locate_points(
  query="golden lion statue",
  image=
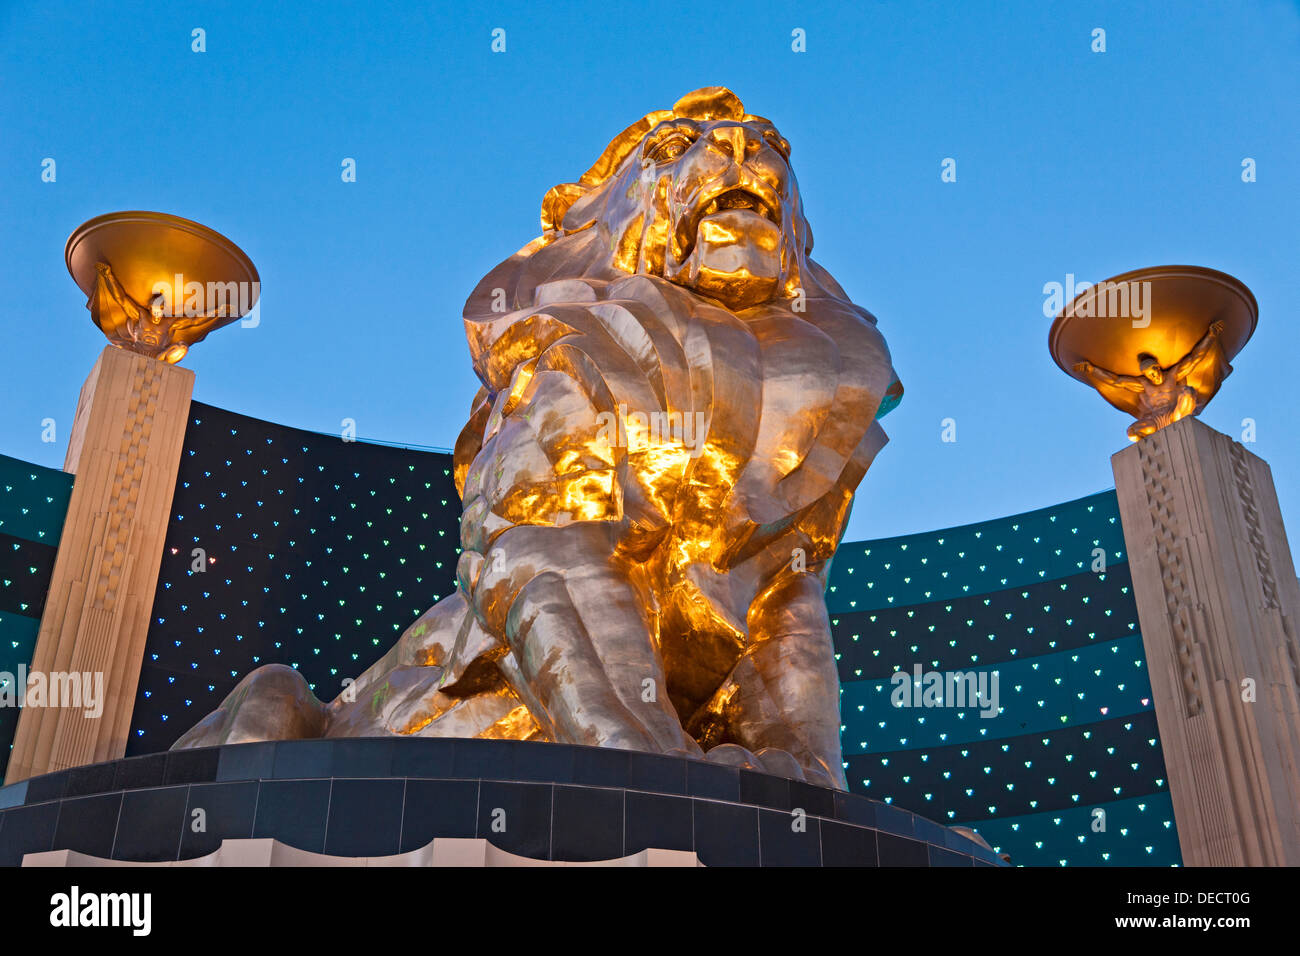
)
(677, 406)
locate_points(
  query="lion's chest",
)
(770, 410)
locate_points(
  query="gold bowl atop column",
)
(1155, 343)
(156, 283)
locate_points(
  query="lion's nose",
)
(738, 142)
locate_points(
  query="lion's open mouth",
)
(737, 198)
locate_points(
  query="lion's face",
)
(709, 204)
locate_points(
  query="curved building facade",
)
(291, 546)
(993, 676)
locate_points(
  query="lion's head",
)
(701, 195)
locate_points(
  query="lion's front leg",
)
(783, 693)
(577, 628)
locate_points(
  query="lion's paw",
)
(272, 702)
(780, 763)
(733, 755)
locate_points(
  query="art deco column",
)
(1218, 602)
(1213, 578)
(157, 284)
(124, 450)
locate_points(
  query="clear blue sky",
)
(1068, 162)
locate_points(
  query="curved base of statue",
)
(436, 681)
(385, 799)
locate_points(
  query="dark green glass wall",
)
(33, 503)
(1039, 606)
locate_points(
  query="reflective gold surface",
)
(1155, 343)
(156, 283)
(677, 406)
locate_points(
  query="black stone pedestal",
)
(383, 796)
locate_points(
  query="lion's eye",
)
(778, 144)
(670, 148)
